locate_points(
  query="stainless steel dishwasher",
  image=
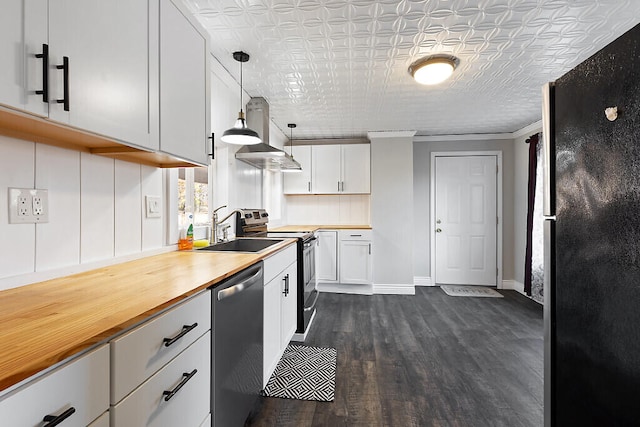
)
(237, 346)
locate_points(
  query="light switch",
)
(153, 206)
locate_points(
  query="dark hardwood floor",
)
(424, 360)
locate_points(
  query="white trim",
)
(513, 285)
(527, 130)
(432, 214)
(422, 281)
(339, 288)
(394, 289)
(300, 337)
(391, 134)
(41, 276)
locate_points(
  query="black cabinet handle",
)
(286, 285)
(54, 420)
(309, 186)
(45, 73)
(185, 330)
(168, 394)
(65, 82)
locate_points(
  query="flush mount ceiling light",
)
(434, 69)
(240, 134)
(293, 165)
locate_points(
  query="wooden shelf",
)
(20, 125)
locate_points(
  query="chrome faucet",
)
(215, 223)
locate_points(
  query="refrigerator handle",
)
(548, 150)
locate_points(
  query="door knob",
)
(438, 230)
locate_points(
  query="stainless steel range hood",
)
(263, 155)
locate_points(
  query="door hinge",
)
(497, 272)
(497, 168)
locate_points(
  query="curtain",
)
(534, 256)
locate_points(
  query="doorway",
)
(466, 226)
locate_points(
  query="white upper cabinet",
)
(356, 169)
(299, 182)
(184, 86)
(341, 169)
(23, 32)
(104, 83)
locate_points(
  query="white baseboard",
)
(339, 288)
(513, 285)
(423, 281)
(394, 289)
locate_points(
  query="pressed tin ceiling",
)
(339, 68)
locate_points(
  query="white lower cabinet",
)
(280, 306)
(344, 256)
(177, 395)
(102, 421)
(327, 266)
(207, 421)
(77, 391)
(355, 257)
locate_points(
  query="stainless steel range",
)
(253, 222)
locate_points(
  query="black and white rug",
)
(470, 291)
(304, 373)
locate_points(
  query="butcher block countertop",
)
(44, 323)
(313, 228)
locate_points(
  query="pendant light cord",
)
(241, 86)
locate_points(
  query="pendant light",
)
(240, 134)
(292, 164)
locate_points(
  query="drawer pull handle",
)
(168, 394)
(356, 235)
(54, 420)
(185, 330)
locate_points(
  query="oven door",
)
(309, 267)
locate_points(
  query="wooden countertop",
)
(313, 228)
(44, 323)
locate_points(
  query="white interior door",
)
(466, 220)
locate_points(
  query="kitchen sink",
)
(242, 245)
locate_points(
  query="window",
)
(193, 200)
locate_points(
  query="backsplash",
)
(96, 209)
(329, 209)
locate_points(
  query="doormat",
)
(304, 373)
(470, 291)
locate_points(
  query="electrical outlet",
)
(28, 206)
(153, 206)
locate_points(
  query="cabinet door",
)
(356, 169)
(325, 169)
(289, 308)
(23, 31)
(107, 43)
(327, 250)
(355, 262)
(272, 328)
(299, 182)
(184, 86)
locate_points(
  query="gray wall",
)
(421, 188)
(392, 209)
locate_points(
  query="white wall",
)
(336, 209)
(96, 211)
(392, 207)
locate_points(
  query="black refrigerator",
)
(591, 134)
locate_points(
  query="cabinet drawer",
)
(356, 234)
(278, 262)
(147, 405)
(82, 384)
(138, 354)
(103, 421)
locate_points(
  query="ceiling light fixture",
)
(240, 134)
(295, 166)
(433, 69)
